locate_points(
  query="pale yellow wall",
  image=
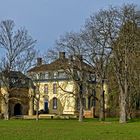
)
(17, 95)
(66, 101)
(3, 92)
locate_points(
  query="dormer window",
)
(55, 75)
(50, 75)
(42, 76)
(46, 75)
(13, 80)
(92, 77)
(62, 75)
(23, 81)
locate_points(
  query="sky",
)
(46, 20)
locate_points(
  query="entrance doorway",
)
(17, 109)
(46, 106)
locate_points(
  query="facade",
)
(58, 90)
(15, 94)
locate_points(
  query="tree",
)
(71, 43)
(102, 32)
(18, 47)
(75, 68)
(125, 52)
(96, 36)
(36, 78)
(110, 37)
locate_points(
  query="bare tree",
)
(96, 37)
(125, 50)
(109, 35)
(75, 67)
(36, 78)
(102, 31)
(18, 47)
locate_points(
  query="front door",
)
(46, 106)
(17, 109)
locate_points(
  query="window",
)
(55, 75)
(23, 81)
(13, 80)
(92, 78)
(94, 98)
(42, 76)
(84, 102)
(78, 104)
(54, 103)
(46, 88)
(61, 75)
(46, 75)
(93, 102)
(50, 75)
(54, 88)
(89, 102)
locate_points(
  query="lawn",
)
(90, 129)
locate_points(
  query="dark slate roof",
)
(16, 79)
(14, 74)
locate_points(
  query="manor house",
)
(56, 83)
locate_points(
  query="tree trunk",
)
(129, 108)
(31, 107)
(102, 104)
(81, 110)
(37, 110)
(6, 111)
(123, 114)
(123, 96)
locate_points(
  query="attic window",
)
(46, 75)
(23, 81)
(50, 75)
(92, 77)
(55, 74)
(13, 80)
(42, 76)
(62, 75)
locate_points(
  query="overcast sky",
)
(46, 20)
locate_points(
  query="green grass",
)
(90, 129)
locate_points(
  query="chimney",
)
(39, 61)
(61, 55)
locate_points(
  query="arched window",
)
(77, 104)
(46, 88)
(46, 105)
(54, 103)
(54, 88)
